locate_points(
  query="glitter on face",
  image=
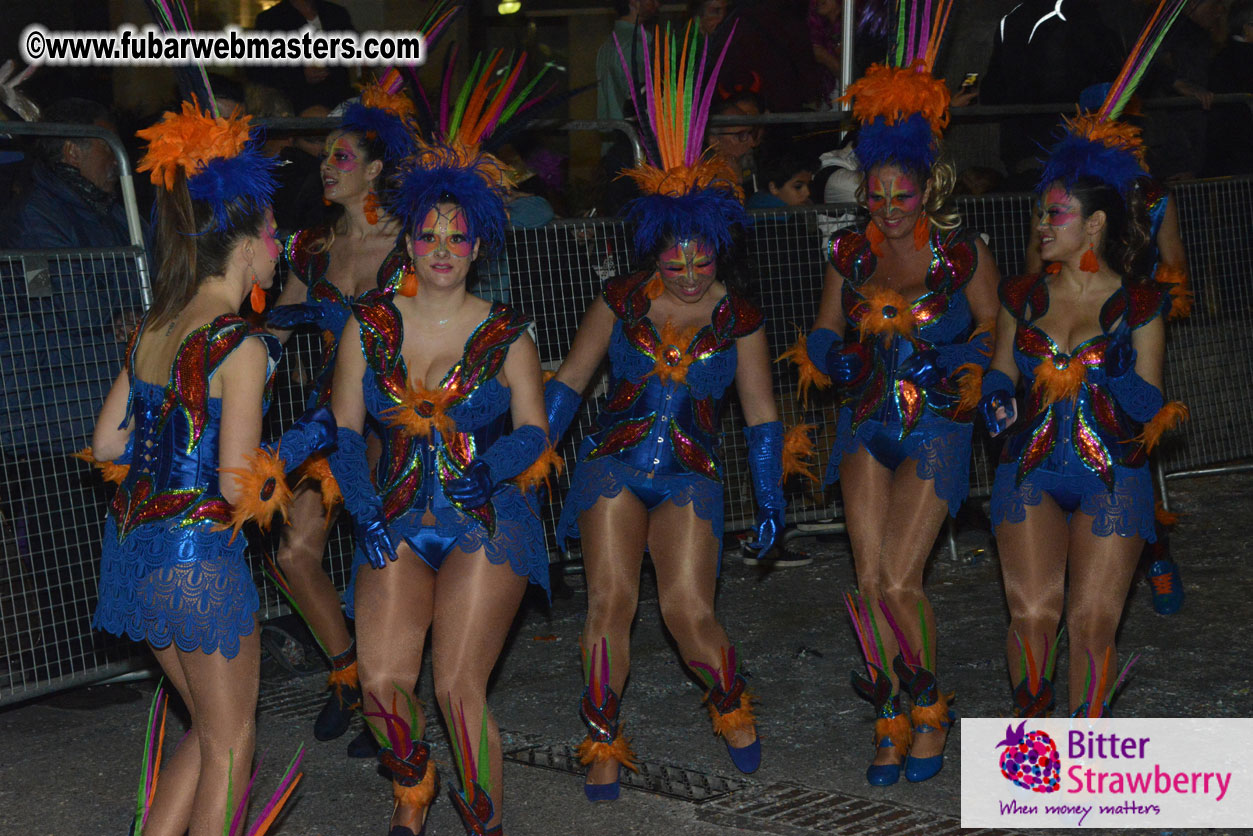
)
(443, 230)
(341, 155)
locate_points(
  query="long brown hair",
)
(189, 247)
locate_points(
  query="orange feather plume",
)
(420, 410)
(799, 453)
(317, 468)
(591, 751)
(1168, 417)
(397, 104)
(898, 729)
(896, 93)
(263, 491)
(737, 720)
(1054, 383)
(970, 385)
(541, 471)
(1109, 132)
(809, 374)
(1166, 518)
(187, 141)
(711, 172)
(934, 715)
(1176, 281)
(420, 794)
(888, 314)
(109, 471)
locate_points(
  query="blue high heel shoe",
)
(731, 709)
(929, 715)
(922, 769)
(604, 741)
(883, 774)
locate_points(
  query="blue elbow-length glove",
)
(562, 404)
(1138, 398)
(998, 393)
(922, 368)
(765, 465)
(312, 433)
(508, 457)
(286, 317)
(352, 472)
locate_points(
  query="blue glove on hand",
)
(313, 432)
(848, 363)
(765, 465)
(818, 347)
(998, 394)
(352, 472)
(922, 368)
(562, 404)
(1138, 398)
(509, 456)
(286, 317)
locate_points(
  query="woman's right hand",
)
(999, 411)
(848, 363)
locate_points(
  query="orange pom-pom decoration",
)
(711, 172)
(592, 751)
(318, 468)
(263, 491)
(1109, 132)
(887, 313)
(421, 410)
(1058, 378)
(109, 471)
(809, 375)
(799, 453)
(187, 141)
(898, 93)
(1168, 417)
(541, 470)
(671, 360)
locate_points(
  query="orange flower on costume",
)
(1058, 378)
(672, 359)
(263, 491)
(420, 410)
(887, 313)
(187, 141)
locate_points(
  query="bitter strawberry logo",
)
(1030, 759)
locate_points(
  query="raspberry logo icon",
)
(1030, 759)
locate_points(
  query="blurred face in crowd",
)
(735, 143)
(348, 173)
(795, 190)
(688, 269)
(93, 159)
(712, 13)
(895, 199)
(1064, 233)
(311, 144)
(441, 248)
(830, 9)
(646, 10)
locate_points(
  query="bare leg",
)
(176, 787)
(394, 606)
(613, 531)
(475, 603)
(685, 555)
(1100, 576)
(300, 557)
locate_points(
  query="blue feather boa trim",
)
(397, 136)
(247, 178)
(908, 143)
(707, 214)
(1075, 156)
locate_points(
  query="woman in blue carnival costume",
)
(902, 332)
(186, 408)
(1073, 496)
(448, 531)
(328, 267)
(677, 333)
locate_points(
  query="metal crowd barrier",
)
(61, 347)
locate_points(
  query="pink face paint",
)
(443, 230)
(341, 155)
(891, 191)
(1058, 208)
(688, 268)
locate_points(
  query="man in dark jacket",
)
(312, 84)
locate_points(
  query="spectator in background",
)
(736, 143)
(311, 84)
(1046, 51)
(298, 198)
(771, 55)
(1229, 141)
(824, 35)
(707, 15)
(786, 175)
(228, 94)
(978, 179)
(613, 89)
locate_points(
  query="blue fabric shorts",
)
(1127, 511)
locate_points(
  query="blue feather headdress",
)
(902, 107)
(384, 111)
(1094, 143)
(688, 192)
(453, 166)
(220, 157)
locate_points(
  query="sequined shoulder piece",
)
(1020, 294)
(625, 296)
(308, 266)
(381, 328)
(1140, 303)
(736, 317)
(957, 261)
(203, 352)
(848, 251)
(1155, 194)
(393, 267)
(132, 343)
(488, 345)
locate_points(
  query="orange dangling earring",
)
(654, 288)
(408, 282)
(326, 201)
(371, 208)
(1088, 263)
(876, 238)
(257, 297)
(922, 231)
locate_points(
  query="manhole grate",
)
(794, 810)
(661, 779)
(298, 698)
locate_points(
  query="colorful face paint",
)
(890, 191)
(1058, 208)
(341, 155)
(688, 269)
(443, 230)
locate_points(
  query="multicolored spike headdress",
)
(902, 108)
(455, 164)
(688, 192)
(220, 157)
(1094, 143)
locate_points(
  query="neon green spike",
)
(521, 98)
(900, 34)
(1052, 660)
(230, 792)
(484, 764)
(926, 644)
(463, 98)
(1022, 657)
(378, 733)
